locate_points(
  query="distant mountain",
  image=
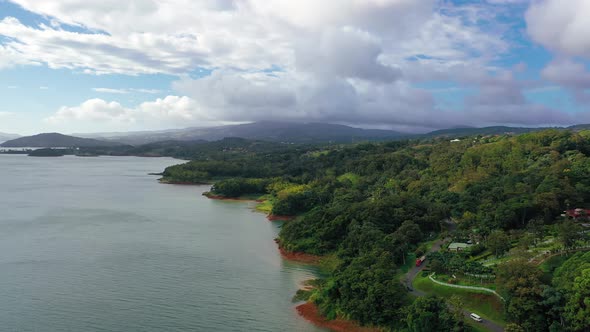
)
(55, 140)
(580, 127)
(302, 133)
(265, 131)
(5, 137)
(470, 131)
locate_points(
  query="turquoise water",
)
(96, 244)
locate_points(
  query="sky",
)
(76, 66)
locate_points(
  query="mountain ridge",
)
(56, 140)
(293, 132)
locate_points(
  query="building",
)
(578, 213)
(458, 246)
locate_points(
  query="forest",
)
(368, 206)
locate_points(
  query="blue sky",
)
(94, 66)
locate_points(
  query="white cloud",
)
(99, 114)
(109, 90)
(568, 73)
(126, 91)
(181, 35)
(348, 61)
(561, 25)
(572, 75)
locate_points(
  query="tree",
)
(513, 327)
(577, 307)
(430, 313)
(537, 227)
(569, 233)
(498, 242)
(367, 289)
(520, 283)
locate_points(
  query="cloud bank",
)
(367, 63)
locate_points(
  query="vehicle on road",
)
(475, 317)
(420, 260)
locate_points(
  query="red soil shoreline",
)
(274, 217)
(184, 183)
(310, 312)
(299, 257)
(223, 198)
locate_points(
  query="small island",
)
(47, 153)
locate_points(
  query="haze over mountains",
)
(299, 133)
(55, 140)
(5, 137)
(263, 131)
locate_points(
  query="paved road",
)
(413, 272)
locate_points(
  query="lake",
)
(97, 244)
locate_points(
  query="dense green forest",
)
(369, 205)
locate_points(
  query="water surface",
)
(97, 244)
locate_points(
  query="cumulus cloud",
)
(572, 75)
(567, 72)
(100, 114)
(347, 61)
(560, 25)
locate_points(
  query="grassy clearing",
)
(466, 281)
(264, 206)
(499, 260)
(486, 305)
(552, 263)
(548, 266)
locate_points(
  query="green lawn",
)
(467, 281)
(548, 266)
(475, 326)
(486, 305)
(265, 206)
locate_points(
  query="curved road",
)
(413, 272)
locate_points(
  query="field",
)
(487, 306)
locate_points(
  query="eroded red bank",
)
(274, 217)
(310, 312)
(300, 257)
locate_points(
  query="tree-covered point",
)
(371, 204)
(50, 152)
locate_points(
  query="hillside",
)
(472, 131)
(265, 131)
(371, 208)
(303, 133)
(55, 140)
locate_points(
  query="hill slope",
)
(266, 131)
(55, 140)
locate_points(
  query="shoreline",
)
(224, 198)
(299, 257)
(311, 313)
(181, 182)
(275, 217)
(308, 310)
